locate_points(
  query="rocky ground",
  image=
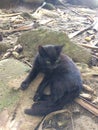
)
(72, 20)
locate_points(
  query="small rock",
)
(15, 54)
(88, 39)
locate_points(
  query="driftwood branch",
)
(26, 62)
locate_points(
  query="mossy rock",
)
(32, 39)
(12, 73)
(4, 47)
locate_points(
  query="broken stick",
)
(90, 46)
(87, 105)
(22, 28)
(79, 32)
(88, 88)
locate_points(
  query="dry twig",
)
(39, 8)
(90, 46)
(25, 61)
(79, 32)
(88, 88)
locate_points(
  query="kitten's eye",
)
(48, 62)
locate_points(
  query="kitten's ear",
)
(59, 48)
(41, 50)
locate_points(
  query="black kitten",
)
(60, 74)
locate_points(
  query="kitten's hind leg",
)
(39, 93)
(46, 97)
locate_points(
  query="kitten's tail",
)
(42, 108)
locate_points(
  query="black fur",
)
(60, 74)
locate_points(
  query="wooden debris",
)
(25, 61)
(13, 52)
(6, 122)
(87, 105)
(22, 28)
(6, 55)
(86, 96)
(95, 100)
(10, 15)
(15, 111)
(90, 46)
(95, 24)
(95, 75)
(88, 88)
(79, 32)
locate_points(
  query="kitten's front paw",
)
(36, 97)
(24, 85)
